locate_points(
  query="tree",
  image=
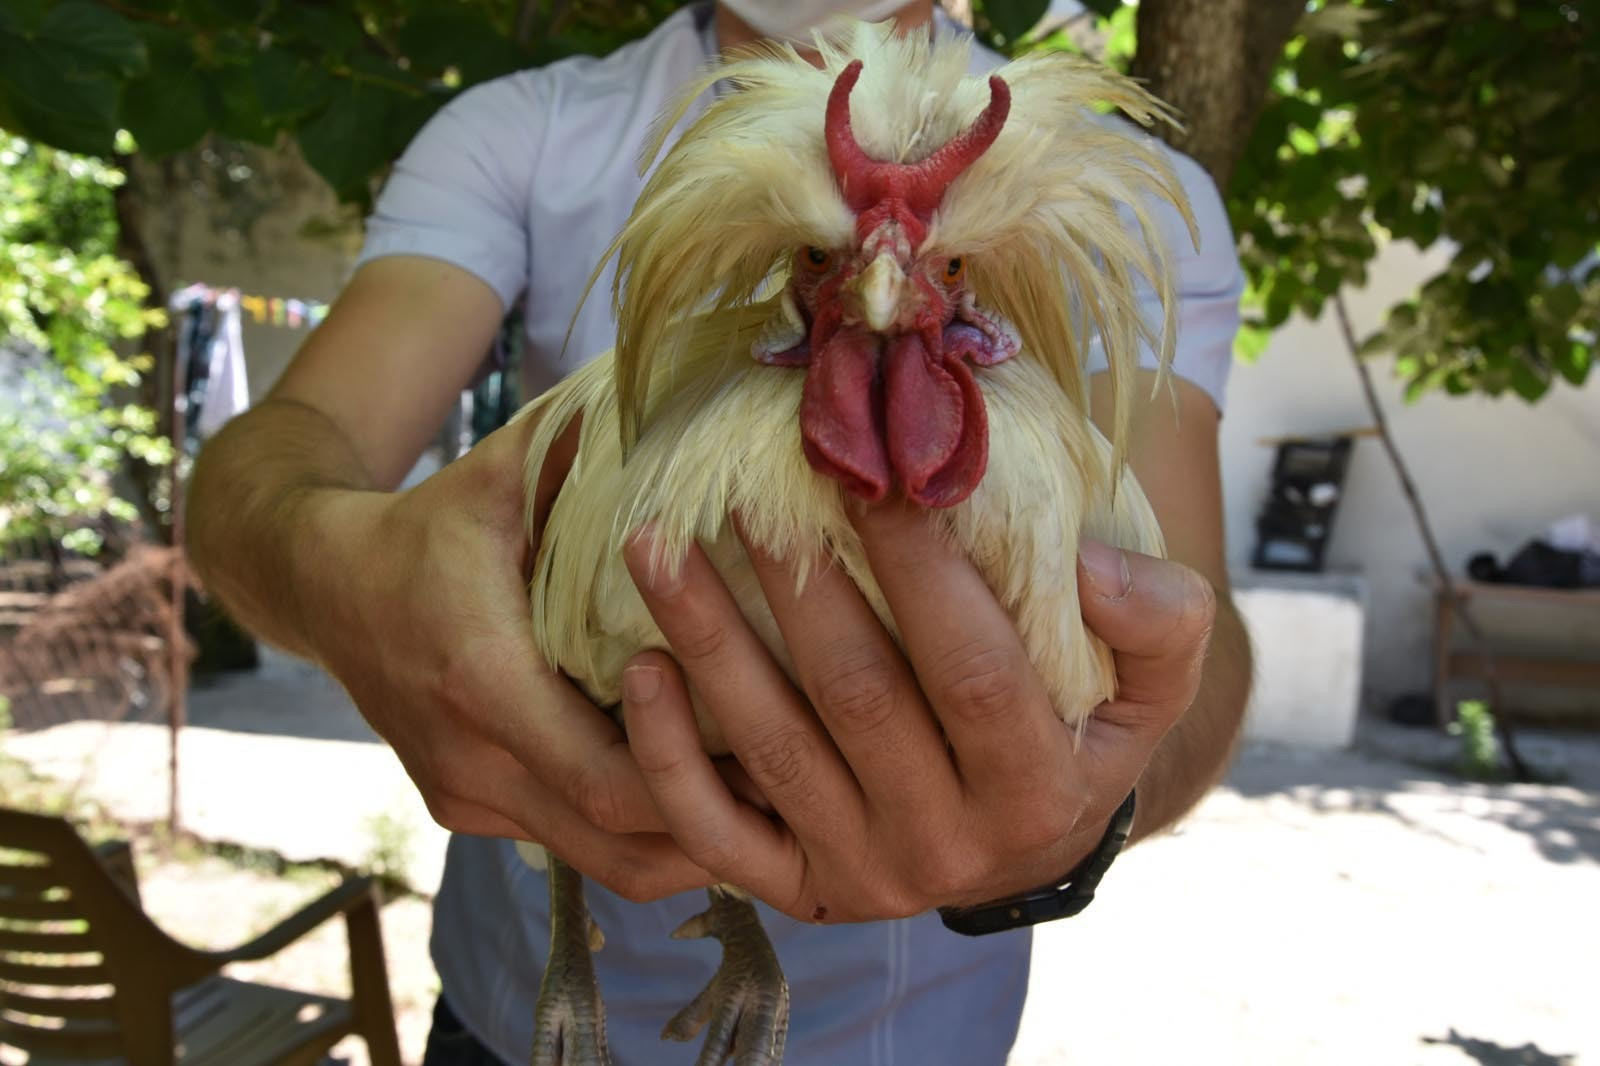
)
(351, 81)
(1418, 119)
(1467, 123)
(66, 304)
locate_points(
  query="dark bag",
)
(1541, 565)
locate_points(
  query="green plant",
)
(1479, 757)
(1462, 125)
(391, 847)
(69, 308)
(350, 81)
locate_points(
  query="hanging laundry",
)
(227, 386)
(195, 331)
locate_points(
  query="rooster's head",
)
(885, 325)
(894, 226)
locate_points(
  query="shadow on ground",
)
(1390, 772)
(283, 697)
(1489, 1053)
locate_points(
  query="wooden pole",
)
(1441, 573)
(178, 661)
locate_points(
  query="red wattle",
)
(935, 424)
(839, 425)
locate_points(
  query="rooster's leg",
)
(747, 1001)
(570, 1021)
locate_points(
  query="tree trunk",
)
(155, 389)
(1213, 60)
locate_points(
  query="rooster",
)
(871, 276)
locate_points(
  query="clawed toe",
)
(570, 1020)
(564, 1037)
(746, 1003)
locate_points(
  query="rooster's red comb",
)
(866, 181)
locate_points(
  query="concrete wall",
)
(1493, 473)
(259, 221)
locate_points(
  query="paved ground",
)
(1320, 907)
(265, 759)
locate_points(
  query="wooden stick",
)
(1441, 573)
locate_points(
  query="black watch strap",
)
(1062, 900)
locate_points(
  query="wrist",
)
(1062, 898)
(331, 537)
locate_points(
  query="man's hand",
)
(416, 602)
(938, 777)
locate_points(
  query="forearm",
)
(1194, 754)
(249, 509)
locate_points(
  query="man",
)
(416, 602)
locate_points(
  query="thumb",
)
(1156, 615)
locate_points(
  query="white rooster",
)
(873, 276)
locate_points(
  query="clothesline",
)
(288, 311)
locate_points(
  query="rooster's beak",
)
(878, 292)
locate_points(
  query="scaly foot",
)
(570, 1021)
(747, 1001)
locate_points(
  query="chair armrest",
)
(344, 897)
(117, 857)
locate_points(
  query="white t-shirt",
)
(523, 182)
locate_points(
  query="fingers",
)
(496, 686)
(967, 656)
(858, 683)
(474, 788)
(765, 722)
(716, 830)
(1156, 615)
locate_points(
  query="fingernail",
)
(640, 683)
(1106, 568)
(663, 576)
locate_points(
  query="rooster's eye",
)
(954, 271)
(815, 259)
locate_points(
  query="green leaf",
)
(168, 113)
(1103, 8)
(436, 40)
(1562, 302)
(288, 86)
(46, 95)
(166, 110)
(241, 114)
(17, 16)
(333, 29)
(1575, 361)
(1012, 19)
(61, 72)
(1250, 342)
(94, 34)
(349, 142)
(1527, 383)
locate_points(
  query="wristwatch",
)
(1062, 899)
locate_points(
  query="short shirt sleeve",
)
(1209, 284)
(460, 191)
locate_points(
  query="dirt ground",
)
(211, 902)
(1320, 907)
